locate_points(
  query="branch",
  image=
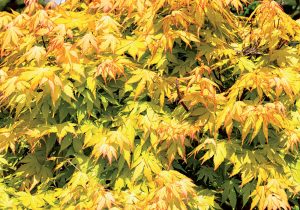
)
(180, 97)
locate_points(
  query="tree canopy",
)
(149, 104)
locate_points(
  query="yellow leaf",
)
(137, 49)
(91, 85)
(138, 171)
(220, 155)
(140, 87)
(257, 126)
(109, 40)
(148, 173)
(88, 41)
(37, 53)
(68, 90)
(67, 54)
(8, 139)
(11, 36)
(246, 128)
(265, 130)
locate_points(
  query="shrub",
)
(153, 104)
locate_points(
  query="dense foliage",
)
(291, 7)
(149, 104)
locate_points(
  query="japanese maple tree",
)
(149, 104)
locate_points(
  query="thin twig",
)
(180, 97)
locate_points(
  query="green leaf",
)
(66, 142)
(77, 145)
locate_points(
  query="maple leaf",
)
(67, 54)
(109, 40)
(107, 24)
(5, 19)
(8, 139)
(41, 20)
(11, 36)
(36, 53)
(271, 196)
(88, 41)
(105, 150)
(109, 68)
